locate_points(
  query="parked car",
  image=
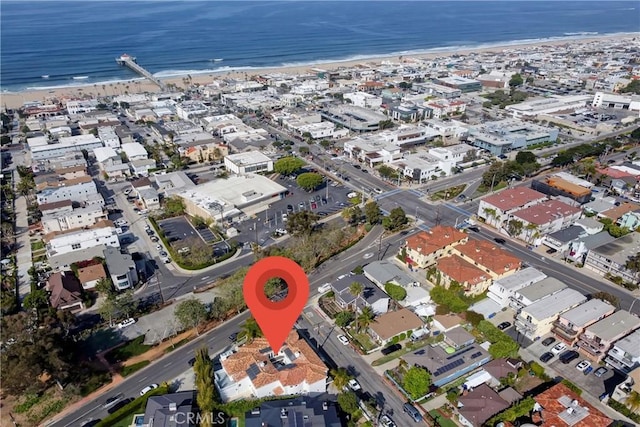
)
(412, 411)
(344, 340)
(474, 229)
(583, 365)
(130, 321)
(325, 287)
(546, 356)
(588, 370)
(504, 325)
(112, 401)
(569, 356)
(548, 341)
(600, 371)
(499, 240)
(385, 421)
(148, 388)
(391, 349)
(233, 336)
(558, 348)
(354, 385)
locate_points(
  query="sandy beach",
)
(139, 85)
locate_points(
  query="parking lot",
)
(179, 228)
(589, 383)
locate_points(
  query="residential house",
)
(616, 212)
(535, 292)
(496, 209)
(536, 320)
(254, 370)
(559, 406)
(134, 151)
(611, 258)
(573, 322)
(371, 295)
(630, 220)
(534, 222)
(69, 218)
(171, 410)
(90, 276)
(101, 233)
(110, 163)
(383, 272)
(624, 356)
(502, 368)
(476, 407)
(76, 190)
(446, 322)
(426, 247)
(458, 338)
(66, 291)
(393, 323)
(121, 268)
(560, 241)
(445, 366)
(308, 410)
(579, 248)
(204, 151)
(502, 290)
(142, 167)
(597, 339)
(108, 136)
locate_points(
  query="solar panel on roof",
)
(290, 355)
(266, 350)
(478, 354)
(253, 371)
(454, 355)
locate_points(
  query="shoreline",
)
(141, 85)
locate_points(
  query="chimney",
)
(173, 407)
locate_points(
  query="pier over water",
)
(130, 61)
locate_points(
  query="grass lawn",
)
(127, 351)
(365, 341)
(448, 193)
(441, 420)
(128, 370)
(38, 244)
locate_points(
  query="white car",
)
(583, 365)
(354, 385)
(326, 287)
(159, 247)
(385, 421)
(344, 340)
(148, 388)
(130, 321)
(127, 191)
(558, 348)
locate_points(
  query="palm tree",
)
(490, 213)
(531, 228)
(356, 288)
(633, 401)
(341, 378)
(365, 318)
(251, 330)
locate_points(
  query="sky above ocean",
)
(63, 40)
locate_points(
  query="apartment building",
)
(489, 257)
(502, 290)
(121, 268)
(597, 339)
(108, 136)
(426, 247)
(536, 292)
(134, 151)
(624, 356)
(101, 233)
(536, 221)
(65, 145)
(496, 209)
(364, 100)
(572, 323)
(77, 190)
(536, 320)
(68, 218)
(610, 258)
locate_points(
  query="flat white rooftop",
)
(248, 158)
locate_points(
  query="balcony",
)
(624, 365)
(525, 326)
(591, 346)
(564, 331)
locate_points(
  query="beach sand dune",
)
(18, 99)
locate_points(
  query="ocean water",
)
(81, 38)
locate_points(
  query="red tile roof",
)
(439, 237)
(490, 256)
(461, 271)
(554, 410)
(513, 198)
(546, 212)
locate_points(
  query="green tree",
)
(633, 263)
(353, 215)
(301, 224)
(348, 402)
(387, 172)
(365, 318)
(105, 287)
(605, 296)
(309, 181)
(250, 330)
(372, 212)
(288, 165)
(174, 206)
(516, 80)
(525, 157)
(191, 313)
(515, 227)
(108, 309)
(344, 318)
(396, 219)
(126, 304)
(473, 317)
(341, 378)
(396, 292)
(633, 401)
(205, 397)
(37, 300)
(416, 382)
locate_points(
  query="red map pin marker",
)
(276, 318)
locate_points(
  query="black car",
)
(120, 404)
(391, 349)
(500, 240)
(504, 325)
(474, 229)
(192, 361)
(289, 208)
(233, 336)
(548, 341)
(546, 356)
(569, 356)
(356, 166)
